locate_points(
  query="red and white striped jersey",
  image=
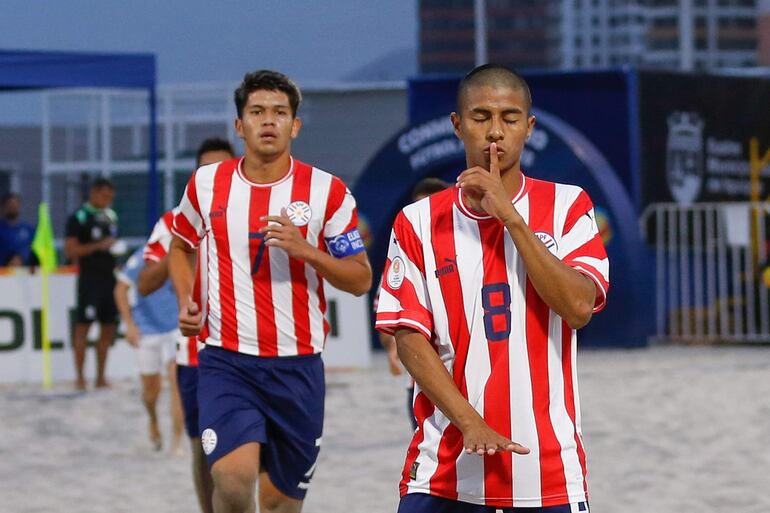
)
(457, 278)
(261, 301)
(156, 250)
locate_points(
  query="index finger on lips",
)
(494, 163)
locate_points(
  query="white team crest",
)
(299, 212)
(396, 273)
(684, 156)
(208, 440)
(549, 242)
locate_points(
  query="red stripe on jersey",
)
(168, 218)
(580, 207)
(300, 191)
(498, 468)
(192, 192)
(219, 200)
(154, 252)
(337, 191)
(192, 351)
(552, 481)
(423, 409)
(443, 239)
(320, 289)
(259, 256)
(183, 227)
(569, 394)
(409, 241)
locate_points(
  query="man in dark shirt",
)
(15, 234)
(90, 234)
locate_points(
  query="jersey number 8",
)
(496, 300)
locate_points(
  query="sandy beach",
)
(668, 429)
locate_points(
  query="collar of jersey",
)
(285, 177)
(473, 215)
(92, 209)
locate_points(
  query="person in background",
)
(423, 189)
(150, 324)
(90, 233)
(15, 234)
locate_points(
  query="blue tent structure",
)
(29, 70)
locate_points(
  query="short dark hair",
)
(101, 182)
(8, 196)
(214, 144)
(428, 186)
(493, 75)
(265, 79)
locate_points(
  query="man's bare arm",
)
(181, 266)
(434, 380)
(152, 276)
(74, 249)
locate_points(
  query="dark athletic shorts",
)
(187, 379)
(277, 402)
(96, 300)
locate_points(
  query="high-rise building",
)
(520, 33)
(683, 34)
(567, 34)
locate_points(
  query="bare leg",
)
(79, 344)
(177, 414)
(204, 486)
(272, 500)
(150, 391)
(235, 477)
(106, 335)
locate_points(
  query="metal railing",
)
(709, 264)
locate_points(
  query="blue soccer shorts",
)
(277, 402)
(187, 381)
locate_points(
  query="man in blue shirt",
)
(15, 235)
(151, 326)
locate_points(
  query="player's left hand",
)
(280, 232)
(487, 187)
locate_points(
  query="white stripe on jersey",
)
(281, 279)
(477, 369)
(526, 474)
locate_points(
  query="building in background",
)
(521, 33)
(570, 34)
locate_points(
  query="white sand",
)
(668, 429)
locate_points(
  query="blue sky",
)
(206, 41)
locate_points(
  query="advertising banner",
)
(21, 357)
(696, 132)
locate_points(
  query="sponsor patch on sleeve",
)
(345, 244)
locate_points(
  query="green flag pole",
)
(45, 249)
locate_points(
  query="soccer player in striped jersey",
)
(483, 288)
(153, 276)
(276, 229)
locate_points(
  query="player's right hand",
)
(190, 318)
(106, 244)
(133, 334)
(481, 439)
